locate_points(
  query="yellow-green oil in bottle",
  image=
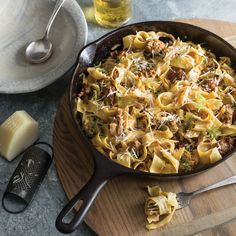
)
(112, 13)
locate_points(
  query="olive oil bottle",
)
(112, 13)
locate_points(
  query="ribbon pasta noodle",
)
(159, 207)
(158, 104)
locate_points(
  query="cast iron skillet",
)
(104, 168)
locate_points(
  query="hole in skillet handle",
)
(69, 217)
(27, 178)
(85, 198)
(104, 170)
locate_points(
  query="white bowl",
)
(23, 21)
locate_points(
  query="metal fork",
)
(184, 199)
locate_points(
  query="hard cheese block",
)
(17, 133)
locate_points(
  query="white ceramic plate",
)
(23, 21)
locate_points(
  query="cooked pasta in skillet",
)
(159, 104)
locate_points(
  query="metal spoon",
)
(40, 50)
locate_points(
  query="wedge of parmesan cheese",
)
(17, 133)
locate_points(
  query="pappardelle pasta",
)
(159, 104)
(159, 207)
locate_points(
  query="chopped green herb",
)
(213, 132)
(201, 81)
(188, 124)
(189, 147)
(158, 55)
(198, 105)
(200, 98)
(94, 96)
(200, 101)
(185, 163)
(102, 70)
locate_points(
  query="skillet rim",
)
(95, 153)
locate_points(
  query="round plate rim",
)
(42, 81)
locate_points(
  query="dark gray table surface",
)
(39, 218)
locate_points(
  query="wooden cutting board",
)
(119, 208)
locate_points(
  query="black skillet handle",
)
(86, 195)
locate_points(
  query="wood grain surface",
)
(119, 208)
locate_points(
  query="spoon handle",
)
(54, 14)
